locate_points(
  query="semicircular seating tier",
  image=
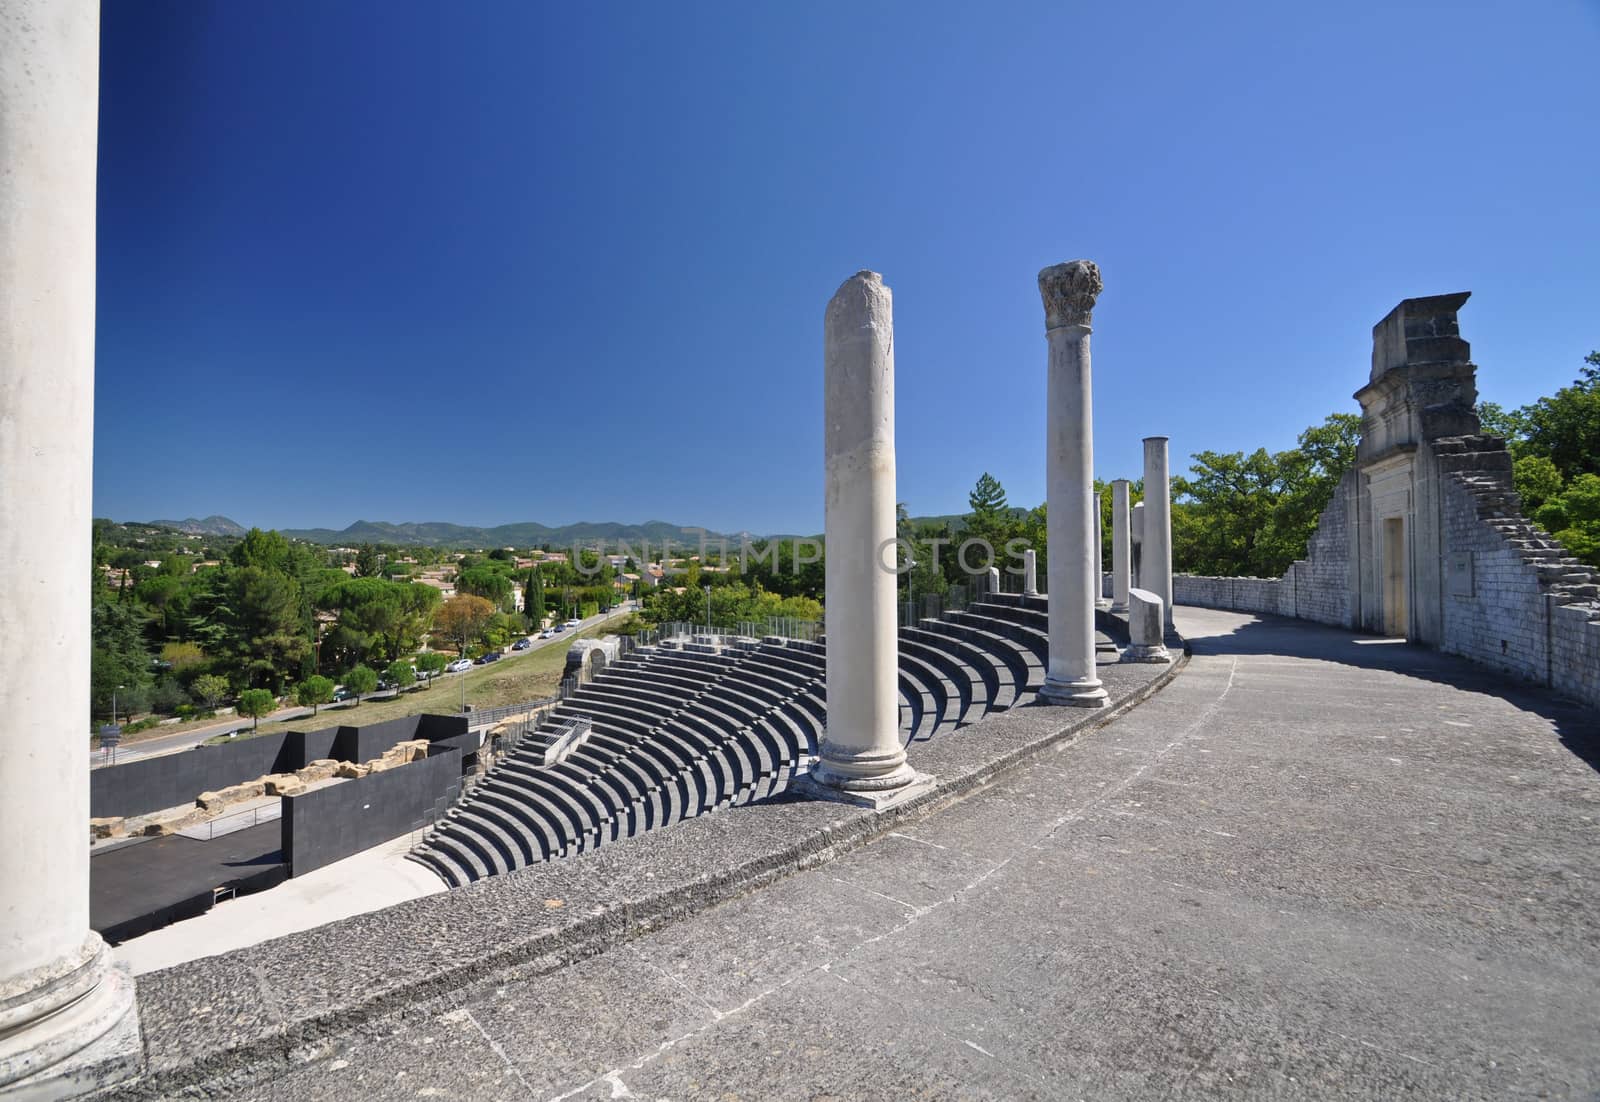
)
(683, 730)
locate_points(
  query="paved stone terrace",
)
(1313, 865)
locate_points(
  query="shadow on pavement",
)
(1577, 726)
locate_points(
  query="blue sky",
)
(491, 262)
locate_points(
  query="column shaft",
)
(861, 747)
(1030, 573)
(1069, 292)
(1099, 547)
(1121, 547)
(1155, 559)
(58, 994)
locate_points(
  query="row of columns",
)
(861, 758)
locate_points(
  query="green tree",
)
(988, 497)
(533, 597)
(210, 688)
(402, 673)
(1537, 481)
(361, 680)
(368, 564)
(492, 584)
(256, 703)
(1236, 514)
(430, 664)
(462, 619)
(314, 692)
(1566, 426)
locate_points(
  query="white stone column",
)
(65, 1016)
(1099, 549)
(1030, 573)
(1155, 557)
(1069, 292)
(1136, 539)
(861, 751)
(1121, 546)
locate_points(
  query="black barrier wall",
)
(151, 784)
(342, 819)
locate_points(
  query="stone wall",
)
(1509, 596)
(1317, 587)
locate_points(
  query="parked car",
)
(340, 694)
(548, 633)
(459, 665)
(574, 623)
(522, 644)
(558, 629)
(490, 656)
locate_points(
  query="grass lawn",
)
(516, 677)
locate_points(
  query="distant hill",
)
(210, 526)
(524, 534)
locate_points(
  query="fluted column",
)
(64, 1011)
(1121, 546)
(1155, 558)
(861, 749)
(1069, 292)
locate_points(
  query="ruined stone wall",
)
(1514, 600)
(1508, 595)
(1314, 588)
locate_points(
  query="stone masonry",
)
(1481, 580)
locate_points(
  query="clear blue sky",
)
(496, 262)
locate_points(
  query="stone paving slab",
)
(229, 1020)
(1234, 890)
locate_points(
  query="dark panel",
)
(332, 823)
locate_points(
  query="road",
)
(194, 736)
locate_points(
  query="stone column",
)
(1146, 628)
(1121, 546)
(861, 751)
(1155, 559)
(1030, 573)
(1136, 538)
(1099, 549)
(65, 1014)
(1069, 292)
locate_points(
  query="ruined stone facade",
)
(1424, 538)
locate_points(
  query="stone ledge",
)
(226, 1021)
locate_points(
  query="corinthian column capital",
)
(1069, 291)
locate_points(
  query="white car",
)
(574, 623)
(459, 665)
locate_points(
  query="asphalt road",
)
(1314, 866)
(183, 740)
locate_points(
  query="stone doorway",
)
(1396, 588)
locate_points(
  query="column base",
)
(76, 1032)
(1122, 608)
(875, 799)
(1074, 694)
(1139, 652)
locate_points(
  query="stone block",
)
(283, 784)
(1146, 628)
(353, 770)
(112, 826)
(319, 770)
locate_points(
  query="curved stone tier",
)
(681, 732)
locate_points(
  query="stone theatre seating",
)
(687, 730)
